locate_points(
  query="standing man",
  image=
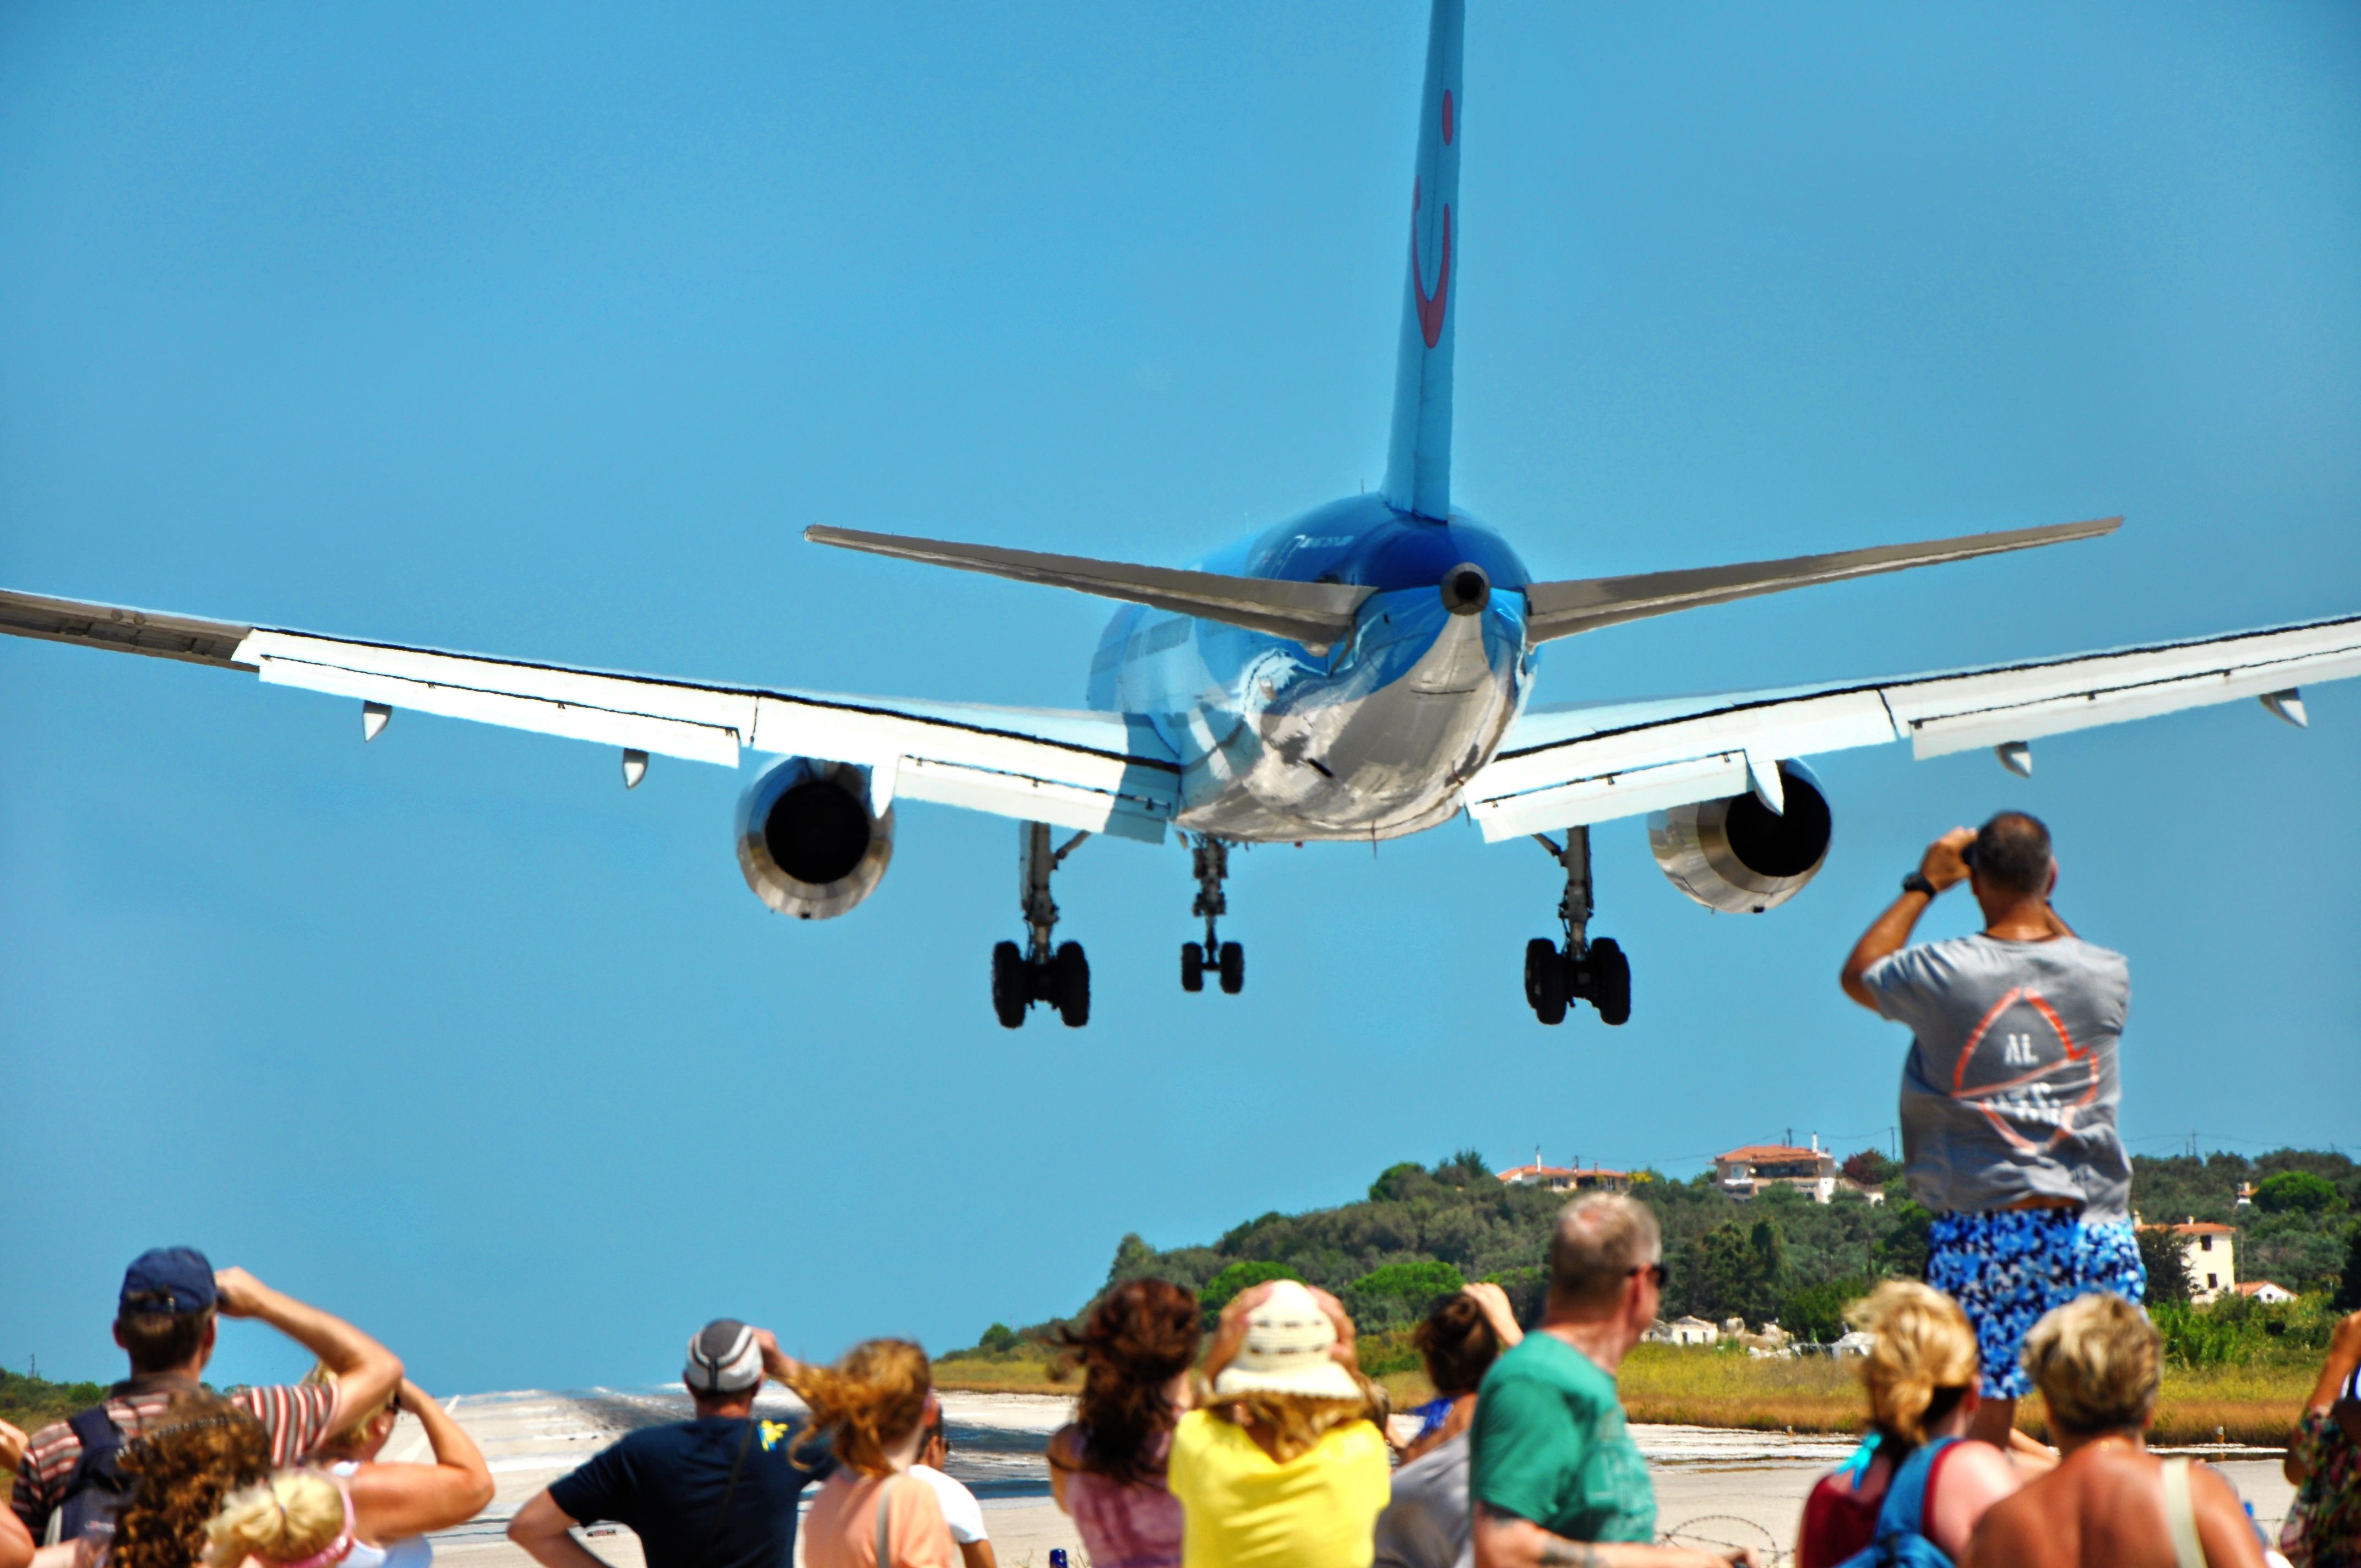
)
(961, 1510)
(2008, 1095)
(165, 1321)
(1553, 1473)
(718, 1491)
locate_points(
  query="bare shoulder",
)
(2009, 1534)
(1066, 1445)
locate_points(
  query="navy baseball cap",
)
(180, 1274)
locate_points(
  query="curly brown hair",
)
(203, 1449)
(1140, 1336)
(869, 1401)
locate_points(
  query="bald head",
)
(1599, 1241)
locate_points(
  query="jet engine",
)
(807, 842)
(1737, 855)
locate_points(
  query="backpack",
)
(1901, 1519)
(96, 1488)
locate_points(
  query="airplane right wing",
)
(1567, 766)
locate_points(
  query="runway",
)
(1712, 1484)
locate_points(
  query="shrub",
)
(998, 1340)
(2298, 1191)
(1398, 1294)
(1220, 1289)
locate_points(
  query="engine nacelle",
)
(1737, 855)
(807, 842)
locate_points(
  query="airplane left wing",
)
(1564, 767)
(1106, 773)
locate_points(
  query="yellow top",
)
(1241, 1510)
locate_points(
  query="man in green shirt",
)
(1554, 1476)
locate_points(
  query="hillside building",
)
(1744, 1172)
(2209, 1252)
(1575, 1178)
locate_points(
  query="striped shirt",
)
(296, 1418)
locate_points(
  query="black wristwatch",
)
(1917, 883)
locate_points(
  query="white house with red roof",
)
(2209, 1252)
(1744, 1172)
(1575, 1178)
(2263, 1290)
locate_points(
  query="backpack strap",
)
(885, 1519)
(1904, 1510)
(2180, 1516)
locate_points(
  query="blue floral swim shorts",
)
(2006, 1267)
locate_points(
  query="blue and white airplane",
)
(1361, 673)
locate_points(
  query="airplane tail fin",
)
(1418, 463)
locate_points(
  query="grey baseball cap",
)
(723, 1358)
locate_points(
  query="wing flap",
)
(1561, 768)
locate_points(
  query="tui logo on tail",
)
(1429, 306)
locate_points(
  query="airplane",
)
(1360, 672)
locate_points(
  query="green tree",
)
(1816, 1312)
(1394, 1182)
(1399, 1293)
(2348, 1288)
(1735, 1273)
(2167, 1270)
(998, 1340)
(1246, 1272)
(2298, 1191)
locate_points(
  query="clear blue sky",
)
(543, 330)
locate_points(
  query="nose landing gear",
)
(1226, 960)
(1579, 970)
(1059, 976)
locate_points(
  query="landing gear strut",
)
(1059, 976)
(1579, 970)
(1226, 960)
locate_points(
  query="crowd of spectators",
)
(1268, 1447)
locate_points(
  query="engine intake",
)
(807, 842)
(1737, 855)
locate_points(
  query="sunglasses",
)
(1655, 1271)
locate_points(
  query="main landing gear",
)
(1036, 972)
(1581, 970)
(1226, 960)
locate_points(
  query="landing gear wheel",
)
(1010, 992)
(1545, 987)
(1611, 982)
(1070, 984)
(1233, 968)
(1192, 967)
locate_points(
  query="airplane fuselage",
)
(1370, 739)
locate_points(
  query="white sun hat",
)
(1286, 1351)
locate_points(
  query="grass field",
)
(1702, 1388)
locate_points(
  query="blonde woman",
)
(398, 1503)
(1284, 1462)
(1916, 1474)
(872, 1513)
(295, 1518)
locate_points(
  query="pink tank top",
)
(1137, 1525)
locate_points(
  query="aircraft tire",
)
(1010, 993)
(1069, 978)
(1233, 968)
(1611, 982)
(1192, 967)
(1545, 980)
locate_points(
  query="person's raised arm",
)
(1504, 1540)
(365, 1371)
(391, 1501)
(15, 1540)
(541, 1527)
(1890, 932)
(1493, 1303)
(2343, 1355)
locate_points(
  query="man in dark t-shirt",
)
(715, 1492)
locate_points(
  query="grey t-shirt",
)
(2010, 1089)
(1426, 1524)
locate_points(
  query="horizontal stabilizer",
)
(1561, 609)
(1315, 614)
